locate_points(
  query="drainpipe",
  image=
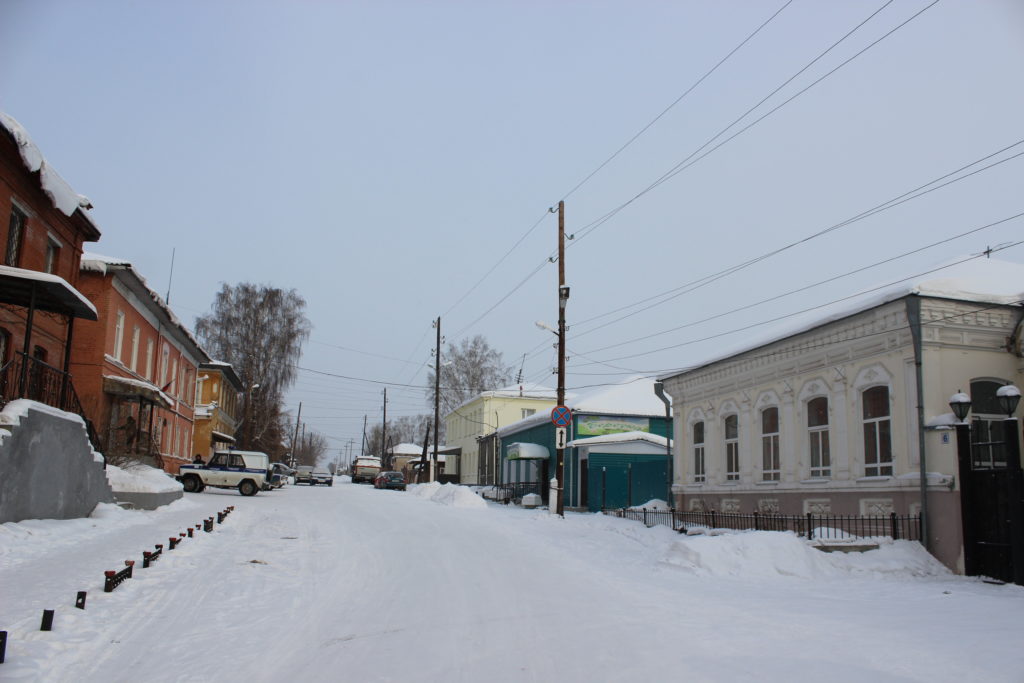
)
(914, 319)
(659, 390)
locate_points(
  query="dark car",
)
(390, 480)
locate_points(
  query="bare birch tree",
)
(260, 331)
(467, 369)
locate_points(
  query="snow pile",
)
(449, 494)
(653, 504)
(14, 411)
(765, 554)
(140, 478)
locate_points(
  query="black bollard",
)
(3, 645)
(80, 600)
(47, 624)
(190, 532)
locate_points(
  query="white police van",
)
(248, 471)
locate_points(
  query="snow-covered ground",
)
(353, 583)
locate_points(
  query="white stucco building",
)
(823, 416)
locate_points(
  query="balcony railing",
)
(33, 379)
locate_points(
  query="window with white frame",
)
(527, 412)
(165, 359)
(770, 444)
(732, 448)
(988, 448)
(817, 434)
(699, 474)
(15, 235)
(877, 432)
(135, 349)
(149, 359)
(52, 254)
(175, 384)
(118, 334)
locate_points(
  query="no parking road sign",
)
(561, 416)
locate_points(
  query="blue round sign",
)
(561, 416)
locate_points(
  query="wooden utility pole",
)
(437, 396)
(384, 432)
(362, 445)
(563, 296)
(295, 438)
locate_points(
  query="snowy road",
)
(353, 584)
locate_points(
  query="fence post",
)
(810, 532)
(47, 624)
(645, 517)
(80, 600)
(713, 524)
(3, 646)
(893, 526)
(757, 521)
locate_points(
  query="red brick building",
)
(136, 367)
(43, 230)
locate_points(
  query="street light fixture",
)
(1008, 397)
(961, 405)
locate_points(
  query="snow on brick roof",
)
(98, 263)
(64, 198)
(975, 279)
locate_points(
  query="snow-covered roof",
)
(634, 396)
(524, 390)
(138, 386)
(975, 279)
(64, 198)
(622, 437)
(413, 449)
(98, 263)
(58, 291)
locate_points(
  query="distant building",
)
(136, 367)
(524, 451)
(216, 410)
(44, 227)
(482, 415)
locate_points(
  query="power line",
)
(679, 99)
(691, 159)
(884, 206)
(811, 308)
(810, 286)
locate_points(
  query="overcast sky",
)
(383, 158)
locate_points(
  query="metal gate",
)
(992, 509)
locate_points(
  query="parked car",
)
(390, 480)
(279, 473)
(304, 475)
(322, 476)
(248, 471)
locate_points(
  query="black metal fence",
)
(514, 492)
(31, 378)
(810, 526)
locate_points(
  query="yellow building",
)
(217, 404)
(485, 413)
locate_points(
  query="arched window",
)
(699, 474)
(770, 444)
(877, 432)
(817, 434)
(988, 450)
(732, 448)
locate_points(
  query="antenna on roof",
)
(170, 278)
